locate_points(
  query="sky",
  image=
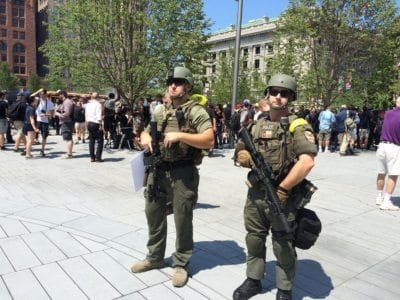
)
(224, 12)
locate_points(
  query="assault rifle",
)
(152, 161)
(263, 173)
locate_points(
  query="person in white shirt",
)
(94, 119)
(44, 111)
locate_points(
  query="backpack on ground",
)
(16, 111)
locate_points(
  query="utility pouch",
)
(302, 193)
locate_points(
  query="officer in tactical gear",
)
(185, 129)
(287, 144)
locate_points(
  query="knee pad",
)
(256, 245)
(308, 228)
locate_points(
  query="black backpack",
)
(78, 114)
(16, 111)
(234, 123)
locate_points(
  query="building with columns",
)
(256, 45)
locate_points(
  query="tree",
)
(8, 81)
(334, 37)
(33, 82)
(125, 44)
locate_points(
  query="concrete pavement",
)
(71, 229)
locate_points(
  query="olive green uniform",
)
(269, 139)
(178, 182)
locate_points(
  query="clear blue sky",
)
(224, 12)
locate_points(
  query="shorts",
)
(388, 159)
(27, 128)
(67, 130)
(363, 133)
(81, 126)
(19, 126)
(44, 129)
(109, 123)
(3, 126)
(324, 135)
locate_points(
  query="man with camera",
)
(44, 112)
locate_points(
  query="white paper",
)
(137, 168)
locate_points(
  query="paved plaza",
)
(71, 229)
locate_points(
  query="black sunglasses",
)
(176, 81)
(283, 93)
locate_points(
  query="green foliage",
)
(126, 44)
(336, 38)
(8, 81)
(33, 83)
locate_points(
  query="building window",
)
(270, 49)
(19, 35)
(2, 9)
(18, 12)
(223, 54)
(257, 50)
(18, 22)
(214, 56)
(2, 20)
(19, 59)
(245, 51)
(213, 69)
(3, 52)
(245, 65)
(19, 2)
(3, 32)
(257, 64)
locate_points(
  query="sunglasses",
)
(283, 93)
(176, 81)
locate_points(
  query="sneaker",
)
(283, 295)
(28, 156)
(66, 156)
(388, 205)
(100, 160)
(378, 200)
(42, 154)
(179, 277)
(76, 142)
(3, 148)
(146, 265)
(249, 288)
(23, 153)
(83, 141)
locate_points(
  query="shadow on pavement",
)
(210, 254)
(205, 206)
(311, 280)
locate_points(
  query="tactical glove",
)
(244, 159)
(283, 194)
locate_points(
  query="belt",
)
(387, 142)
(169, 165)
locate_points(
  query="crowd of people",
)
(79, 118)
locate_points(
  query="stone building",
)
(256, 45)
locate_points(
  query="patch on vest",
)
(309, 136)
(267, 131)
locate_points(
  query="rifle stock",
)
(265, 175)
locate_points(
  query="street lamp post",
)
(237, 53)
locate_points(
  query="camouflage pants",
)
(259, 219)
(179, 186)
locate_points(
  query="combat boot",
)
(146, 265)
(249, 288)
(283, 295)
(179, 277)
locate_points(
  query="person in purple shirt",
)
(388, 158)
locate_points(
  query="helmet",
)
(202, 100)
(283, 81)
(181, 73)
(246, 102)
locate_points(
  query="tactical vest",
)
(170, 119)
(275, 144)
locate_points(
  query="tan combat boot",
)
(146, 265)
(179, 277)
